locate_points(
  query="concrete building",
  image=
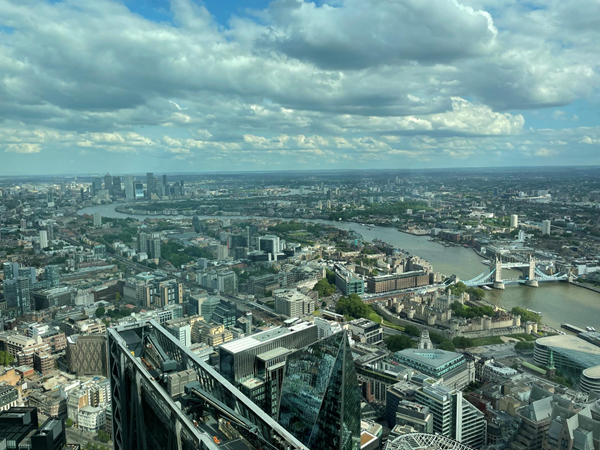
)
(97, 220)
(397, 281)
(91, 419)
(571, 354)
(514, 221)
(87, 354)
(43, 237)
(590, 380)
(129, 187)
(366, 331)
(293, 304)
(546, 225)
(326, 327)
(348, 282)
(181, 329)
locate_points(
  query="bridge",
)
(493, 276)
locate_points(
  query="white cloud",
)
(23, 148)
(545, 152)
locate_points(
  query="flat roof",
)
(592, 372)
(248, 342)
(569, 342)
(430, 357)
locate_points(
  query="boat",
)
(588, 328)
(593, 329)
(573, 328)
(487, 288)
(535, 312)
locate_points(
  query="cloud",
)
(23, 148)
(545, 152)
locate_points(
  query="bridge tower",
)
(531, 281)
(498, 283)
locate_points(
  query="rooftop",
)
(569, 342)
(246, 343)
(429, 357)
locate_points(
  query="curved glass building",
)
(571, 354)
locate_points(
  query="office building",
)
(414, 415)
(590, 380)
(97, 184)
(97, 220)
(237, 358)
(116, 182)
(50, 436)
(570, 354)
(165, 186)
(150, 185)
(293, 304)
(86, 355)
(366, 331)
(208, 306)
(546, 224)
(144, 410)
(91, 419)
(450, 367)
(326, 327)
(453, 416)
(139, 190)
(397, 281)
(52, 275)
(181, 329)
(17, 294)
(11, 270)
(129, 187)
(225, 314)
(43, 236)
(320, 397)
(348, 282)
(222, 252)
(9, 397)
(108, 183)
(514, 221)
(269, 244)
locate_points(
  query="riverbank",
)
(586, 286)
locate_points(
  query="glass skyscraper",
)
(320, 396)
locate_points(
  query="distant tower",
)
(514, 221)
(108, 183)
(425, 341)
(551, 370)
(498, 283)
(97, 220)
(150, 184)
(546, 224)
(129, 187)
(531, 281)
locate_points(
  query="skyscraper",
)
(320, 396)
(129, 187)
(97, 184)
(194, 408)
(514, 221)
(108, 183)
(149, 243)
(17, 293)
(546, 224)
(139, 190)
(150, 185)
(116, 183)
(43, 235)
(52, 275)
(97, 220)
(165, 186)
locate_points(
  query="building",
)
(91, 419)
(181, 329)
(414, 415)
(348, 282)
(453, 416)
(9, 397)
(87, 354)
(17, 293)
(129, 187)
(326, 327)
(514, 221)
(211, 335)
(571, 354)
(424, 441)
(52, 275)
(397, 281)
(590, 380)
(546, 225)
(97, 220)
(208, 306)
(237, 358)
(15, 425)
(150, 185)
(145, 413)
(293, 304)
(366, 331)
(139, 190)
(225, 314)
(108, 183)
(450, 367)
(320, 397)
(50, 436)
(43, 236)
(269, 244)
(149, 243)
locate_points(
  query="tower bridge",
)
(493, 276)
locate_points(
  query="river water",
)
(559, 302)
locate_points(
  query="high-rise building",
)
(269, 244)
(108, 183)
(17, 293)
(82, 193)
(129, 187)
(320, 397)
(225, 314)
(97, 220)
(116, 183)
(150, 185)
(86, 354)
(139, 190)
(52, 275)
(149, 243)
(165, 184)
(97, 184)
(546, 224)
(43, 236)
(11, 270)
(196, 407)
(514, 221)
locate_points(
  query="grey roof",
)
(431, 357)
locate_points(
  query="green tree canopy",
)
(6, 359)
(353, 306)
(324, 288)
(397, 342)
(412, 330)
(100, 312)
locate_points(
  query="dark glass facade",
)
(320, 397)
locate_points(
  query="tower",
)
(108, 183)
(320, 396)
(425, 341)
(129, 187)
(531, 281)
(551, 370)
(150, 185)
(498, 283)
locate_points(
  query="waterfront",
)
(558, 302)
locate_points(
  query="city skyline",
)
(188, 87)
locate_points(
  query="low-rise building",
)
(91, 418)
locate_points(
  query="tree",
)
(330, 275)
(69, 423)
(412, 330)
(462, 342)
(6, 359)
(352, 306)
(447, 345)
(397, 342)
(103, 436)
(521, 346)
(324, 288)
(117, 297)
(100, 312)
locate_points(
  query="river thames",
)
(559, 302)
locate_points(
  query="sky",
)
(222, 85)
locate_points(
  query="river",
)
(559, 302)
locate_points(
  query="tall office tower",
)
(129, 187)
(452, 415)
(52, 275)
(97, 184)
(50, 199)
(22, 224)
(546, 224)
(11, 270)
(320, 397)
(164, 397)
(514, 221)
(269, 244)
(150, 185)
(50, 231)
(97, 220)
(251, 231)
(43, 235)
(149, 243)
(496, 192)
(30, 273)
(225, 314)
(108, 183)
(196, 224)
(165, 184)
(139, 190)
(116, 183)
(17, 293)
(82, 193)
